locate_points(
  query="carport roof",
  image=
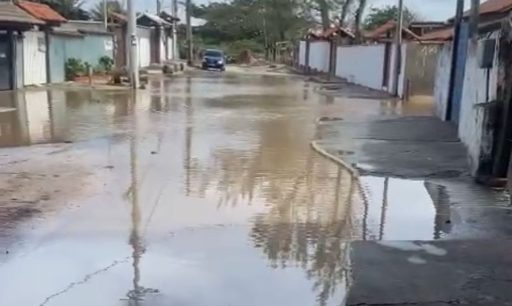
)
(13, 15)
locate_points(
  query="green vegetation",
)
(74, 68)
(105, 64)
(379, 16)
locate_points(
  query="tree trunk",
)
(359, 19)
(324, 11)
(344, 11)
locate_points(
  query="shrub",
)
(106, 63)
(73, 68)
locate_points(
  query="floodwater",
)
(201, 190)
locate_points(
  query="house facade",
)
(471, 87)
(14, 24)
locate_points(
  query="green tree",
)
(251, 22)
(69, 9)
(378, 16)
(113, 6)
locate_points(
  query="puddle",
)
(197, 191)
(399, 209)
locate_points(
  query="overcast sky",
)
(426, 9)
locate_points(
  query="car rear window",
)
(213, 53)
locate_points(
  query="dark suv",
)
(214, 59)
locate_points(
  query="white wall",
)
(401, 78)
(442, 81)
(170, 51)
(362, 65)
(472, 127)
(144, 46)
(34, 58)
(163, 56)
(302, 53)
(319, 55)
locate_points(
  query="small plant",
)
(106, 63)
(74, 68)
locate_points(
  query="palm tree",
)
(113, 6)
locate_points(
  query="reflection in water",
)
(235, 181)
(54, 116)
(136, 241)
(401, 209)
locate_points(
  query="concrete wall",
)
(401, 78)
(473, 118)
(302, 53)
(442, 80)
(319, 55)
(144, 46)
(34, 58)
(88, 48)
(362, 65)
(420, 68)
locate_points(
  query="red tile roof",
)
(334, 30)
(380, 32)
(41, 11)
(438, 35)
(495, 6)
(383, 29)
(11, 14)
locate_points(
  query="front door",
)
(5, 62)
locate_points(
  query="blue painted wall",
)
(460, 71)
(88, 48)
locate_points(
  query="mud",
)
(201, 190)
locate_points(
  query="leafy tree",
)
(113, 6)
(69, 9)
(379, 16)
(263, 22)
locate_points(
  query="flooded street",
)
(200, 190)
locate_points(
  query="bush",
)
(74, 68)
(106, 63)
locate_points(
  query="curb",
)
(344, 164)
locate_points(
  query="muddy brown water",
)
(201, 190)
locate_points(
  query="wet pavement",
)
(201, 190)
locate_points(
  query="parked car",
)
(214, 59)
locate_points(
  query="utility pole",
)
(475, 14)
(158, 7)
(190, 51)
(132, 32)
(105, 14)
(175, 51)
(398, 50)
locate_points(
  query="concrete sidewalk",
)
(466, 260)
(469, 272)
(409, 147)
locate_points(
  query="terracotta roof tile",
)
(438, 35)
(41, 11)
(333, 30)
(495, 6)
(10, 13)
(383, 29)
(379, 32)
